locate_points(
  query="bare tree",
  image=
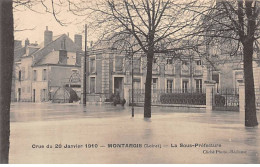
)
(149, 22)
(234, 25)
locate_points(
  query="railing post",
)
(127, 93)
(210, 85)
(241, 98)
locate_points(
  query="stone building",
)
(46, 67)
(109, 71)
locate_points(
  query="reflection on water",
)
(103, 124)
(252, 140)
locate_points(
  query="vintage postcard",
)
(131, 82)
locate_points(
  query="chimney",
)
(47, 36)
(78, 41)
(26, 42)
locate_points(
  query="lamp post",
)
(132, 61)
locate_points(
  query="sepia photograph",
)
(129, 81)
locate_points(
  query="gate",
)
(226, 100)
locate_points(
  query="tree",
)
(6, 60)
(236, 24)
(6, 64)
(156, 25)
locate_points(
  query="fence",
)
(170, 96)
(226, 99)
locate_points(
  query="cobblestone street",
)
(71, 133)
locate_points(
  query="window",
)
(137, 65)
(215, 77)
(43, 95)
(44, 74)
(185, 86)
(198, 62)
(198, 85)
(169, 86)
(20, 75)
(154, 84)
(92, 65)
(119, 63)
(169, 61)
(35, 75)
(92, 85)
(137, 83)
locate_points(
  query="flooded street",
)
(71, 133)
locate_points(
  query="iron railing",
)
(170, 96)
(227, 99)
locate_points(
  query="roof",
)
(55, 45)
(18, 53)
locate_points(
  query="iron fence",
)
(226, 99)
(170, 96)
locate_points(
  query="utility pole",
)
(85, 69)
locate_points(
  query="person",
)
(116, 99)
(123, 102)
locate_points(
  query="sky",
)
(33, 25)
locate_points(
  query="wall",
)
(226, 74)
(25, 83)
(40, 84)
(60, 75)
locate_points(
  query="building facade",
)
(109, 71)
(45, 68)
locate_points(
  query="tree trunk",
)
(6, 65)
(148, 84)
(250, 107)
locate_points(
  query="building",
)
(110, 71)
(43, 69)
(19, 51)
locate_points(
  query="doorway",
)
(33, 95)
(185, 86)
(19, 95)
(118, 86)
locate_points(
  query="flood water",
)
(108, 134)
